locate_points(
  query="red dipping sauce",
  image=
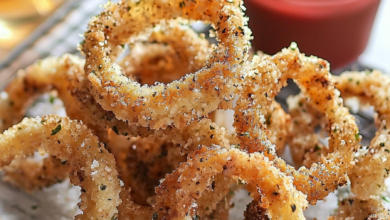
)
(336, 30)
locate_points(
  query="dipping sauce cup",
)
(336, 30)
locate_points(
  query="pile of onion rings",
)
(140, 136)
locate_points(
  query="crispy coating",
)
(270, 73)
(373, 164)
(171, 51)
(278, 122)
(129, 210)
(142, 162)
(356, 209)
(178, 102)
(92, 167)
(188, 183)
(215, 200)
(254, 211)
(65, 74)
(304, 143)
(30, 175)
(145, 166)
(40, 77)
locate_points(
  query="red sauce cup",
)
(336, 30)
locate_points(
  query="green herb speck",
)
(56, 130)
(51, 99)
(293, 46)
(357, 136)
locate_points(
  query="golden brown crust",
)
(368, 175)
(188, 183)
(313, 77)
(161, 105)
(92, 167)
(354, 208)
(373, 164)
(30, 175)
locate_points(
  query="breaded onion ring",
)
(373, 163)
(187, 184)
(40, 77)
(269, 75)
(278, 122)
(178, 102)
(92, 167)
(30, 175)
(356, 209)
(142, 162)
(303, 141)
(171, 51)
(65, 74)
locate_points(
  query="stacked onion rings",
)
(154, 112)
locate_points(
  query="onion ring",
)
(278, 122)
(41, 77)
(190, 180)
(313, 77)
(142, 162)
(30, 175)
(371, 169)
(193, 96)
(305, 146)
(353, 208)
(169, 52)
(373, 164)
(92, 167)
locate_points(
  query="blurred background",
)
(40, 28)
(18, 18)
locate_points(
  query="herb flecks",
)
(51, 99)
(293, 207)
(357, 136)
(56, 130)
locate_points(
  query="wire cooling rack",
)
(59, 34)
